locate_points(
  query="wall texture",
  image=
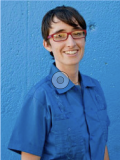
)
(25, 61)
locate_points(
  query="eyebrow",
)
(63, 30)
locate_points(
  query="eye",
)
(59, 36)
(78, 34)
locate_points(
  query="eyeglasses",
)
(62, 36)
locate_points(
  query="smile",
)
(71, 52)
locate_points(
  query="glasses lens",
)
(59, 36)
(78, 34)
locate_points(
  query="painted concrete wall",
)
(25, 61)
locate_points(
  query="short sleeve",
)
(32, 126)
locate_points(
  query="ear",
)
(47, 46)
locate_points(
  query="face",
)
(68, 52)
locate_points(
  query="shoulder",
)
(88, 80)
(40, 90)
(93, 83)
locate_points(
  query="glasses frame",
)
(68, 33)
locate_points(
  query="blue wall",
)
(25, 61)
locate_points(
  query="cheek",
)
(56, 51)
(82, 45)
(58, 48)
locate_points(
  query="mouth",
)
(71, 52)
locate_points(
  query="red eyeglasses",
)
(62, 36)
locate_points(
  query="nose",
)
(70, 41)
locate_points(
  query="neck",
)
(71, 71)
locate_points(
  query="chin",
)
(73, 63)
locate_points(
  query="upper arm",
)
(28, 156)
(32, 126)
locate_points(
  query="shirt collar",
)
(85, 80)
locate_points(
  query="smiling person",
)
(64, 116)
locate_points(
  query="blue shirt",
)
(69, 123)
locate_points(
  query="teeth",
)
(70, 52)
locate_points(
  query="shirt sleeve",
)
(31, 128)
(102, 108)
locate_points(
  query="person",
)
(64, 116)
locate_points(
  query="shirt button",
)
(69, 129)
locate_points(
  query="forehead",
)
(57, 24)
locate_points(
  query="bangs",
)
(66, 17)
